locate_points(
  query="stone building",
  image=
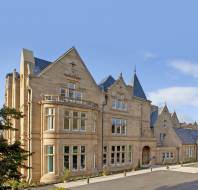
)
(175, 143)
(71, 122)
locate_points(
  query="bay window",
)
(50, 159)
(82, 121)
(66, 120)
(105, 155)
(82, 157)
(50, 118)
(119, 154)
(75, 158)
(75, 121)
(66, 157)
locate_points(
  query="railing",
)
(63, 99)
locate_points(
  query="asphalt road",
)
(160, 180)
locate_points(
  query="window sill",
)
(74, 131)
(50, 131)
(118, 135)
(119, 110)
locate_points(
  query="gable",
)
(119, 87)
(175, 120)
(69, 65)
(164, 118)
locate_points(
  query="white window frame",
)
(70, 122)
(105, 153)
(119, 124)
(130, 152)
(80, 153)
(126, 155)
(94, 123)
(168, 155)
(47, 155)
(162, 137)
(67, 154)
(190, 152)
(114, 158)
(119, 104)
(77, 154)
(72, 127)
(48, 115)
(79, 118)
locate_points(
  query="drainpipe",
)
(103, 105)
(29, 135)
(141, 130)
(196, 150)
(178, 154)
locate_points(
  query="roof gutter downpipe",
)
(29, 137)
(103, 105)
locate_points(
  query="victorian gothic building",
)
(73, 123)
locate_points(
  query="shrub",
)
(66, 175)
(105, 172)
(17, 184)
(59, 188)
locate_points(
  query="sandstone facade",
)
(73, 123)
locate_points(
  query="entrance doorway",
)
(145, 155)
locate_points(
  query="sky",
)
(159, 37)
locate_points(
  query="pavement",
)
(161, 178)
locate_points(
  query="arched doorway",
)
(145, 155)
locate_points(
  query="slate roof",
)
(137, 88)
(106, 83)
(187, 136)
(153, 118)
(11, 74)
(40, 65)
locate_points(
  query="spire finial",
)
(135, 69)
(120, 76)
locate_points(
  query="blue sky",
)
(159, 37)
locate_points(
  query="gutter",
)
(103, 105)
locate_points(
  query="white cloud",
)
(176, 96)
(185, 66)
(185, 118)
(179, 98)
(149, 55)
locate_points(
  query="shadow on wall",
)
(193, 185)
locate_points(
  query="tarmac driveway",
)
(159, 180)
